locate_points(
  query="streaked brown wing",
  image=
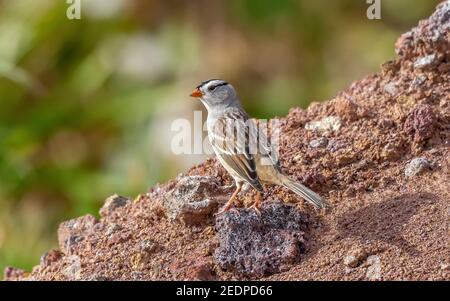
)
(229, 137)
(265, 148)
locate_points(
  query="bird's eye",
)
(211, 88)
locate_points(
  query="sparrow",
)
(231, 132)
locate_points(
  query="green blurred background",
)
(86, 105)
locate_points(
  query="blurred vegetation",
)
(86, 105)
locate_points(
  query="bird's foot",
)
(257, 204)
(227, 208)
(229, 204)
(256, 208)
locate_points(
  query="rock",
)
(140, 260)
(11, 274)
(143, 256)
(119, 237)
(390, 67)
(431, 35)
(407, 101)
(148, 246)
(98, 278)
(355, 258)
(391, 88)
(348, 270)
(319, 142)
(428, 61)
(137, 276)
(112, 203)
(194, 198)
(351, 261)
(416, 166)
(419, 80)
(113, 228)
(373, 272)
(390, 152)
(195, 267)
(348, 109)
(210, 248)
(420, 123)
(202, 272)
(71, 232)
(346, 157)
(385, 123)
(50, 257)
(335, 145)
(73, 268)
(325, 125)
(260, 245)
(313, 179)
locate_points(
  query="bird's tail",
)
(304, 192)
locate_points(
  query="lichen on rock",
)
(194, 198)
(416, 166)
(325, 125)
(260, 245)
(112, 203)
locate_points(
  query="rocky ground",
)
(378, 152)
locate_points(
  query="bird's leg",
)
(230, 202)
(257, 204)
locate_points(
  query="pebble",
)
(194, 199)
(51, 256)
(416, 166)
(113, 228)
(140, 260)
(148, 246)
(421, 123)
(73, 270)
(112, 203)
(11, 273)
(391, 88)
(327, 124)
(374, 270)
(419, 80)
(319, 142)
(425, 61)
(355, 257)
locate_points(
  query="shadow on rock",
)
(260, 245)
(385, 221)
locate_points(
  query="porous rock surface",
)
(194, 198)
(260, 244)
(382, 225)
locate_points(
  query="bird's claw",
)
(256, 208)
(226, 209)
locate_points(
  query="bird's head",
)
(215, 93)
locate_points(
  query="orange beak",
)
(196, 93)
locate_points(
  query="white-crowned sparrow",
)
(230, 134)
